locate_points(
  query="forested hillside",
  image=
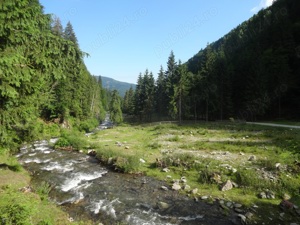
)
(112, 84)
(42, 73)
(251, 73)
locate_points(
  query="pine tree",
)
(69, 34)
(115, 108)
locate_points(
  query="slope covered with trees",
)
(42, 73)
(251, 73)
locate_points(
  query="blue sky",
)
(126, 37)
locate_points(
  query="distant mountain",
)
(112, 84)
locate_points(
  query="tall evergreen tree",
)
(115, 108)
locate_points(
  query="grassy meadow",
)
(255, 158)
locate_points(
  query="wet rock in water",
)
(249, 215)
(238, 205)
(92, 152)
(163, 205)
(227, 186)
(176, 186)
(242, 217)
(164, 188)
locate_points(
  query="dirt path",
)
(275, 125)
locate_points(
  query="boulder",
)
(176, 186)
(227, 186)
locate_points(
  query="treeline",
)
(42, 73)
(251, 73)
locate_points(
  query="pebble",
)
(204, 197)
(238, 205)
(195, 191)
(238, 210)
(169, 177)
(176, 187)
(249, 215)
(166, 170)
(164, 188)
(243, 218)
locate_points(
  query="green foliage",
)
(15, 214)
(43, 190)
(115, 108)
(88, 125)
(73, 139)
(118, 160)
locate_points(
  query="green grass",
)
(202, 151)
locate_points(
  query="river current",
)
(85, 189)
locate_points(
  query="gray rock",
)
(252, 158)
(183, 179)
(164, 188)
(204, 197)
(166, 170)
(163, 205)
(194, 191)
(176, 186)
(126, 147)
(262, 195)
(169, 177)
(142, 161)
(249, 215)
(242, 217)
(227, 186)
(238, 210)
(238, 205)
(187, 187)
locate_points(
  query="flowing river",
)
(87, 190)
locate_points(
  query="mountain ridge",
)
(113, 84)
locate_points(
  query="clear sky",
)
(126, 37)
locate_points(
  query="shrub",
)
(15, 214)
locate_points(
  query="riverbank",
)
(259, 161)
(23, 203)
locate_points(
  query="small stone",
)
(187, 187)
(238, 205)
(227, 186)
(163, 205)
(238, 210)
(183, 179)
(281, 214)
(252, 158)
(221, 202)
(204, 197)
(126, 147)
(142, 161)
(229, 204)
(176, 187)
(262, 195)
(169, 177)
(286, 197)
(196, 199)
(249, 215)
(194, 191)
(293, 223)
(166, 170)
(164, 188)
(242, 217)
(241, 153)
(277, 165)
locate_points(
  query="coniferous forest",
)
(252, 73)
(43, 76)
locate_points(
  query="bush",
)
(88, 125)
(15, 214)
(71, 139)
